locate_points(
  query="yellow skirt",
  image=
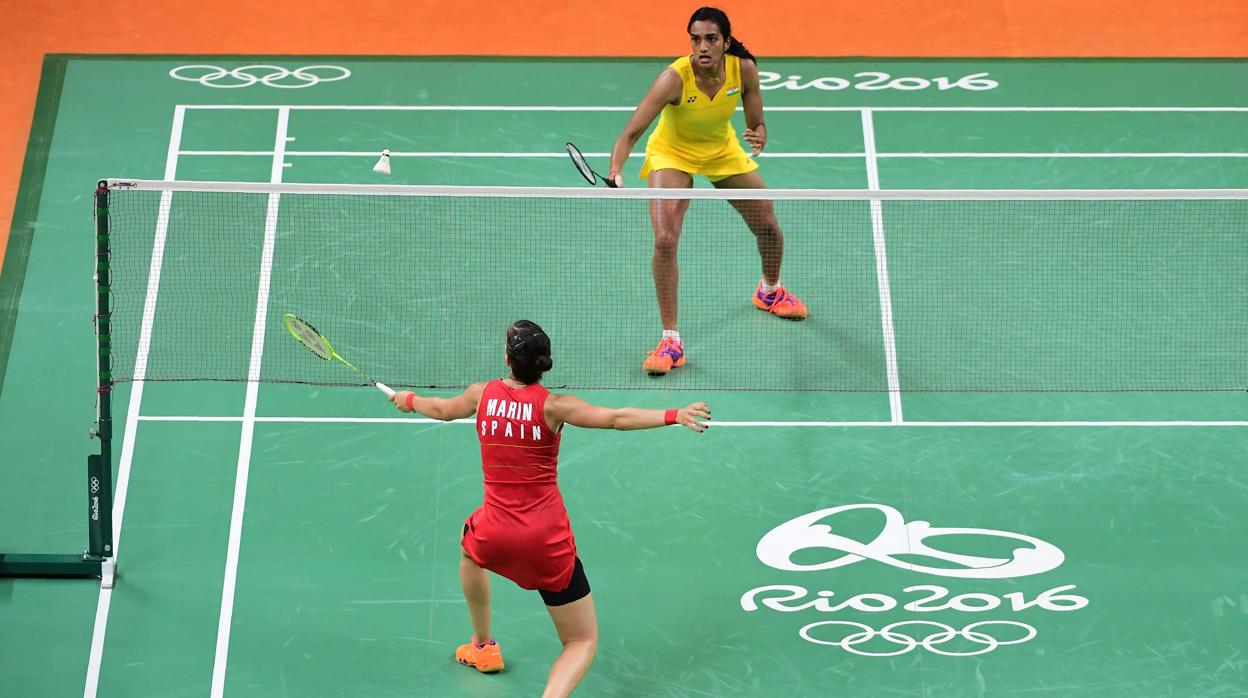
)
(730, 161)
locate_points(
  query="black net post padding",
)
(99, 466)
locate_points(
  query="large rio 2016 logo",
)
(814, 535)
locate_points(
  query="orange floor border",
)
(894, 28)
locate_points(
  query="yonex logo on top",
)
(268, 75)
(897, 537)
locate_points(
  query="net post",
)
(99, 466)
(97, 559)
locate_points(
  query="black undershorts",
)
(576, 590)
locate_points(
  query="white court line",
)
(456, 154)
(881, 271)
(249, 415)
(249, 421)
(474, 154)
(1065, 155)
(557, 108)
(447, 154)
(133, 417)
(758, 424)
(96, 656)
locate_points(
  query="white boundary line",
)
(881, 271)
(248, 419)
(556, 108)
(1059, 155)
(758, 424)
(478, 154)
(96, 656)
(454, 154)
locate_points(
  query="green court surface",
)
(293, 540)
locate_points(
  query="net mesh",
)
(1014, 295)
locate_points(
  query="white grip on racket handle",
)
(385, 389)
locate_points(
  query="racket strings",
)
(309, 337)
(579, 161)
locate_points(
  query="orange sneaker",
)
(780, 302)
(487, 658)
(668, 355)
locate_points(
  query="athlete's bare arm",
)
(443, 408)
(572, 410)
(665, 90)
(752, 104)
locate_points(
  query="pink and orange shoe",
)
(486, 658)
(668, 355)
(780, 302)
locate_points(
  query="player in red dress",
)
(521, 531)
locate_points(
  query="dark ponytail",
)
(716, 15)
(528, 347)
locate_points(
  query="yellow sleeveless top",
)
(695, 134)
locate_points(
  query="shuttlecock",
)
(383, 163)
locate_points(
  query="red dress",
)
(521, 531)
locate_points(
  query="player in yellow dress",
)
(694, 99)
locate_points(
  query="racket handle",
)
(384, 388)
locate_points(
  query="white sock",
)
(671, 333)
(770, 289)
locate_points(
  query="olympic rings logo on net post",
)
(268, 75)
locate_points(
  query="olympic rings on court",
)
(270, 75)
(943, 634)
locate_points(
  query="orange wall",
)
(979, 28)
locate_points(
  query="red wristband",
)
(669, 417)
(411, 401)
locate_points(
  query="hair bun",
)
(528, 347)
